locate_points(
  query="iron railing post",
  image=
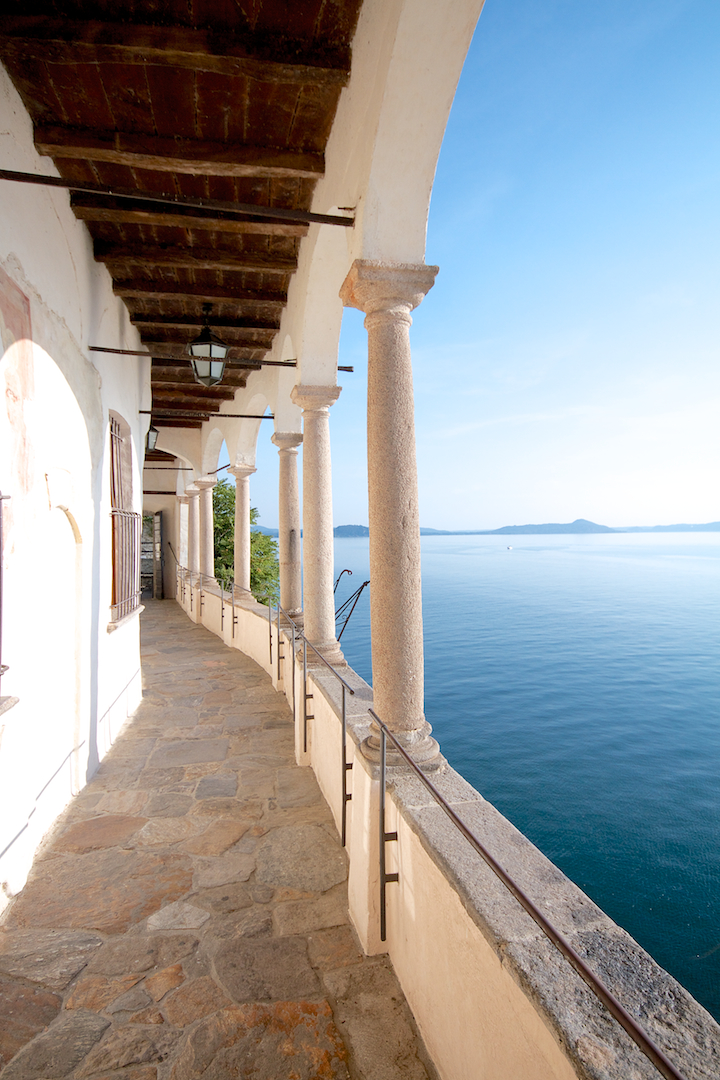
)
(346, 767)
(384, 838)
(292, 624)
(306, 697)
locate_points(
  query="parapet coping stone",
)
(594, 1042)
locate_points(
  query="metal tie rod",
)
(304, 217)
(186, 360)
(654, 1054)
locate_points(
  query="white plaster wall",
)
(454, 981)
(75, 682)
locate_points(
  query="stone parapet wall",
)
(493, 998)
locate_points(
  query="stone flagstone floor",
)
(187, 917)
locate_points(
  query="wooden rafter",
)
(191, 156)
(219, 323)
(191, 258)
(74, 41)
(139, 289)
(119, 212)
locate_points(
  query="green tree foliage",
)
(264, 564)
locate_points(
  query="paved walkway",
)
(188, 917)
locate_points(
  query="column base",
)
(330, 651)
(418, 742)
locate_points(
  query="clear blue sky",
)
(567, 361)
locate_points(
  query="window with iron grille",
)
(126, 525)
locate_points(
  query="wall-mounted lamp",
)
(152, 438)
(207, 354)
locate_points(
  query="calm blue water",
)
(574, 681)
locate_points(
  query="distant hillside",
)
(351, 530)
(580, 525)
(711, 526)
(264, 531)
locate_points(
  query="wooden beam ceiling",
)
(257, 57)
(218, 106)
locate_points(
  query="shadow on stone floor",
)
(187, 917)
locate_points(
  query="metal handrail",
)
(611, 1003)
(346, 766)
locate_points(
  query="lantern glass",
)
(152, 438)
(207, 357)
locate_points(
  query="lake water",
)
(573, 680)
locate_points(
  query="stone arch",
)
(414, 78)
(244, 445)
(213, 441)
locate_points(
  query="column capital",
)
(287, 440)
(192, 490)
(240, 472)
(205, 482)
(378, 286)
(314, 398)
(183, 498)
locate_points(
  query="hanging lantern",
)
(207, 354)
(152, 438)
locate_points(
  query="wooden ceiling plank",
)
(197, 157)
(192, 258)
(217, 322)
(224, 393)
(164, 421)
(98, 208)
(73, 41)
(139, 289)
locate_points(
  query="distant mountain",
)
(580, 525)
(264, 531)
(711, 526)
(351, 530)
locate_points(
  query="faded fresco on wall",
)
(18, 387)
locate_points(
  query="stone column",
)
(318, 554)
(388, 293)
(289, 522)
(193, 494)
(181, 535)
(241, 571)
(207, 528)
